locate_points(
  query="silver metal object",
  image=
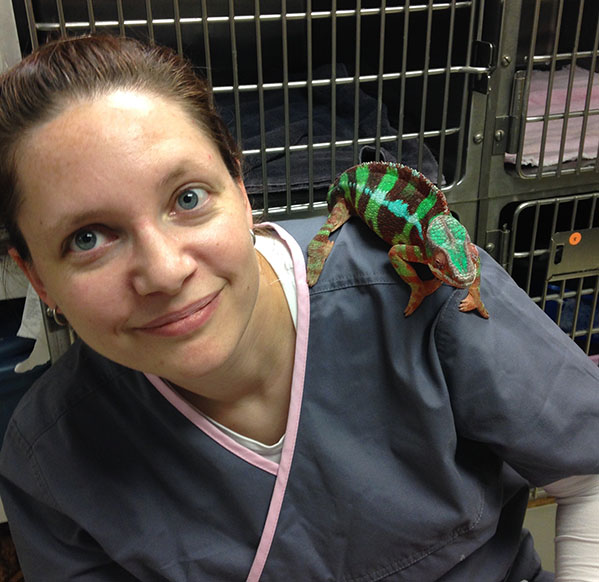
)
(10, 53)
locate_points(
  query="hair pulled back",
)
(43, 84)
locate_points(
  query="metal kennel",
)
(538, 201)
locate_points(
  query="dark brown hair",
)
(43, 83)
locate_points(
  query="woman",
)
(218, 421)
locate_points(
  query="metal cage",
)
(542, 122)
(552, 256)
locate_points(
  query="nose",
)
(161, 263)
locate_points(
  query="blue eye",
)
(84, 240)
(191, 197)
(88, 239)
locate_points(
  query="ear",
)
(31, 273)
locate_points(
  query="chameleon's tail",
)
(321, 246)
(318, 251)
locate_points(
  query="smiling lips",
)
(185, 320)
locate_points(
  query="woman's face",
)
(139, 234)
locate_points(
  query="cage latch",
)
(483, 54)
(500, 135)
(573, 254)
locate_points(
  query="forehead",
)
(121, 119)
(124, 134)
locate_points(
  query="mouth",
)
(183, 321)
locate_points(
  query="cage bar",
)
(10, 53)
(564, 123)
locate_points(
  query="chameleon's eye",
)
(439, 261)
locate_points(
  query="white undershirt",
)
(273, 249)
(577, 528)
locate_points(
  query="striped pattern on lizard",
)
(411, 214)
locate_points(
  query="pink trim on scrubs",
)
(297, 386)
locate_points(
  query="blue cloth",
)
(417, 442)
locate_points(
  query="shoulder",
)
(512, 313)
(359, 256)
(360, 280)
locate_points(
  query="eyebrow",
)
(200, 168)
(174, 175)
(69, 223)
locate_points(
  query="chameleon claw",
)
(470, 303)
(411, 308)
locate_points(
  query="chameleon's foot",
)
(411, 307)
(419, 292)
(473, 301)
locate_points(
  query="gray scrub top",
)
(408, 456)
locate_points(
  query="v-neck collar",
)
(280, 471)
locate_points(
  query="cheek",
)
(240, 261)
(235, 260)
(91, 301)
(230, 243)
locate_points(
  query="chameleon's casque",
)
(410, 213)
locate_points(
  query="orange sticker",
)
(575, 238)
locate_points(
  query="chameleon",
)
(411, 214)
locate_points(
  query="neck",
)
(253, 390)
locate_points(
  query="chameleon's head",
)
(453, 259)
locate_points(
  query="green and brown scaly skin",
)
(410, 213)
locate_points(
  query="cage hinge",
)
(483, 56)
(515, 120)
(497, 244)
